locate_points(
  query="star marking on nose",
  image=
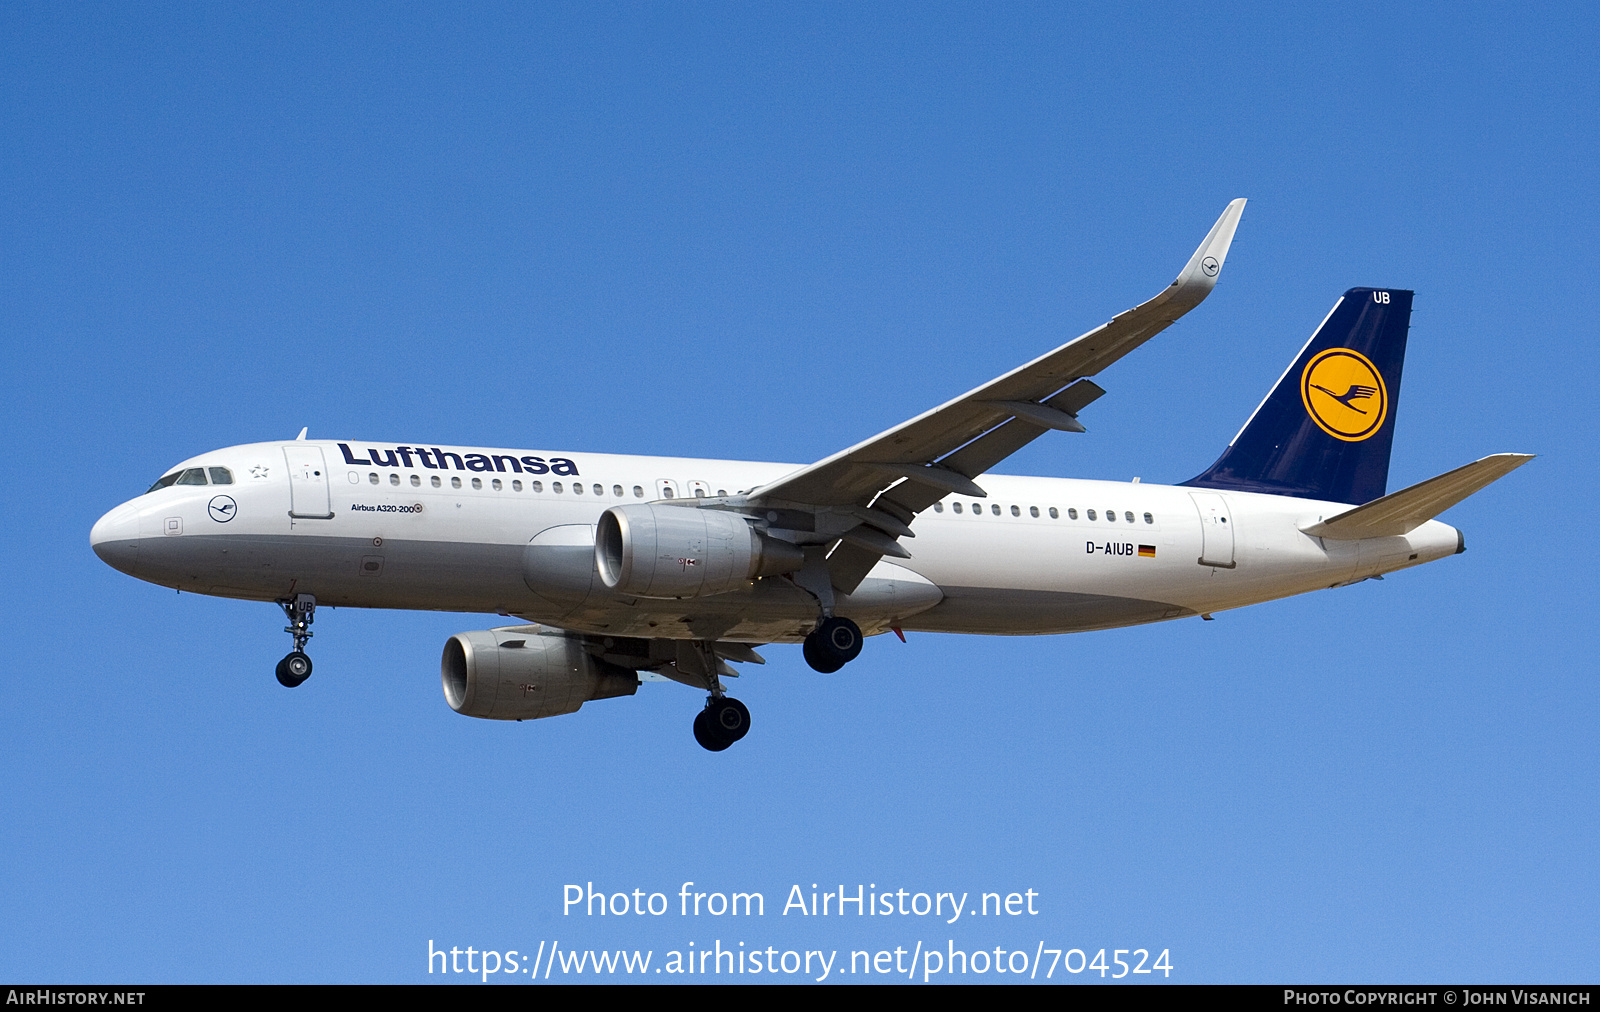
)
(259, 471)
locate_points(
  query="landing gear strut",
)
(724, 720)
(834, 643)
(301, 611)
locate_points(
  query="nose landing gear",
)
(301, 611)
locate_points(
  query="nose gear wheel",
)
(294, 669)
(301, 610)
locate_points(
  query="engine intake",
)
(522, 673)
(684, 551)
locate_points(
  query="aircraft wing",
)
(908, 468)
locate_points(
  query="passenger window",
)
(221, 476)
(477, 483)
(1089, 514)
(956, 506)
(995, 509)
(638, 491)
(577, 488)
(977, 509)
(555, 486)
(1016, 511)
(1128, 517)
(1053, 514)
(722, 491)
(416, 481)
(599, 490)
(938, 507)
(1111, 516)
(497, 485)
(1149, 519)
(435, 480)
(1033, 511)
(394, 479)
(455, 482)
(1072, 513)
(193, 476)
(373, 477)
(536, 486)
(699, 493)
(516, 486)
(616, 491)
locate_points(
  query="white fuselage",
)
(505, 531)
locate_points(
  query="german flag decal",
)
(1147, 551)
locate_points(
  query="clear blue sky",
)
(768, 231)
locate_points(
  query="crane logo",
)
(1344, 394)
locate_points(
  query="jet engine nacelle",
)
(521, 673)
(684, 551)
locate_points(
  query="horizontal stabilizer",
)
(1404, 511)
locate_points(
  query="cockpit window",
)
(194, 476)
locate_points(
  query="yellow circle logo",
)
(1344, 394)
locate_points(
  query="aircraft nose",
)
(115, 538)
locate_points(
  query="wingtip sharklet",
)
(1200, 274)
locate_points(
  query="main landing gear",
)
(834, 643)
(301, 610)
(723, 722)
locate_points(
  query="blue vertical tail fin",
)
(1325, 430)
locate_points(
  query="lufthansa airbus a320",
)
(628, 568)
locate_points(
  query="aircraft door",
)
(1216, 530)
(309, 496)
